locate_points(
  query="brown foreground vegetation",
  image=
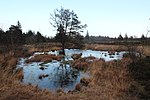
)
(44, 58)
(126, 79)
(144, 49)
(44, 47)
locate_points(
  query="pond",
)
(54, 77)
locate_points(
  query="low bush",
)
(140, 72)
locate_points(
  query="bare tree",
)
(66, 24)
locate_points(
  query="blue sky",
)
(103, 17)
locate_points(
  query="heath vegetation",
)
(125, 79)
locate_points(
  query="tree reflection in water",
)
(65, 75)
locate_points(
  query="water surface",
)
(57, 76)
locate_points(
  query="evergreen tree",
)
(67, 25)
(143, 37)
(87, 36)
(126, 36)
(15, 32)
(120, 37)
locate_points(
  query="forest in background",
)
(125, 79)
(15, 36)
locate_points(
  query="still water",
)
(56, 77)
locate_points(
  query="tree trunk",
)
(63, 48)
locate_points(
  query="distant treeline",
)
(15, 36)
(117, 40)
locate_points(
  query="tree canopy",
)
(14, 36)
(67, 25)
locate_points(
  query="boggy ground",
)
(126, 79)
(143, 49)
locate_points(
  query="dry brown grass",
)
(105, 47)
(109, 81)
(43, 47)
(147, 50)
(80, 64)
(19, 75)
(7, 65)
(44, 58)
(12, 90)
(143, 49)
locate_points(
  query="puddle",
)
(53, 76)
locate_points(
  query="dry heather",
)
(147, 50)
(7, 65)
(105, 47)
(83, 63)
(112, 80)
(43, 47)
(140, 72)
(11, 88)
(44, 58)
